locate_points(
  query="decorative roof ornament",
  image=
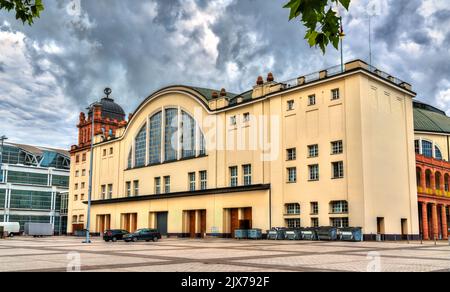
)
(107, 91)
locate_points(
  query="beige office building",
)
(331, 148)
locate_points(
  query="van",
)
(11, 228)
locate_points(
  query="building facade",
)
(432, 142)
(108, 117)
(308, 152)
(33, 183)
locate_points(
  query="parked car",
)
(143, 234)
(11, 228)
(114, 235)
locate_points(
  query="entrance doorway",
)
(405, 229)
(162, 222)
(103, 223)
(129, 222)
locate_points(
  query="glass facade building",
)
(33, 185)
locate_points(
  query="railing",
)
(335, 70)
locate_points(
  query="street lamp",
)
(91, 162)
(2, 139)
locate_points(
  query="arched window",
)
(171, 135)
(427, 148)
(437, 153)
(155, 138)
(140, 147)
(188, 136)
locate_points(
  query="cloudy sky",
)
(51, 71)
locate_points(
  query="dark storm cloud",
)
(138, 46)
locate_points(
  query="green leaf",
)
(26, 10)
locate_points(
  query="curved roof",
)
(35, 156)
(111, 110)
(430, 119)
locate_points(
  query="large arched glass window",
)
(140, 147)
(155, 138)
(188, 136)
(171, 135)
(427, 148)
(437, 153)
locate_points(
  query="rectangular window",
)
(157, 185)
(337, 147)
(291, 154)
(290, 105)
(203, 180)
(417, 146)
(314, 172)
(234, 176)
(111, 151)
(293, 223)
(110, 191)
(77, 158)
(233, 121)
(338, 169)
(167, 184)
(104, 152)
(136, 188)
(292, 175)
(171, 139)
(312, 99)
(293, 209)
(335, 94)
(77, 173)
(103, 193)
(247, 169)
(128, 188)
(314, 208)
(75, 197)
(246, 118)
(83, 172)
(313, 151)
(315, 222)
(340, 222)
(83, 158)
(83, 185)
(339, 207)
(192, 183)
(76, 186)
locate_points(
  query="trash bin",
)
(309, 234)
(255, 234)
(294, 234)
(241, 234)
(276, 234)
(327, 233)
(350, 234)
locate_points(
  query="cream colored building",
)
(331, 148)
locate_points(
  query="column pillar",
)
(442, 182)
(444, 222)
(434, 218)
(433, 182)
(425, 227)
(423, 180)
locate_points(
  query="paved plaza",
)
(60, 254)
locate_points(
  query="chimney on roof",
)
(215, 95)
(270, 77)
(223, 92)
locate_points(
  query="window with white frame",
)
(335, 94)
(315, 222)
(192, 183)
(313, 151)
(338, 169)
(290, 105)
(233, 121)
(292, 174)
(247, 170)
(246, 118)
(203, 180)
(339, 207)
(103, 192)
(314, 172)
(291, 154)
(128, 188)
(157, 185)
(312, 99)
(293, 223)
(110, 191)
(234, 176)
(337, 147)
(293, 209)
(167, 184)
(314, 208)
(340, 222)
(136, 187)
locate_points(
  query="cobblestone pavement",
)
(220, 255)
